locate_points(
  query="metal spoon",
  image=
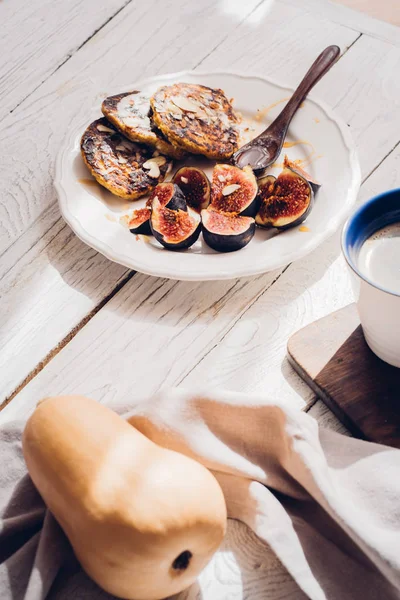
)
(261, 152)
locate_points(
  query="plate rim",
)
(257, 269)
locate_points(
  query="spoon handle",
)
(319, 67)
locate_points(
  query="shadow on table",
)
(174, 300)
(331, 248)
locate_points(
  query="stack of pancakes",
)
(131, 150)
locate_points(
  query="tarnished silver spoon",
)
(261, 152)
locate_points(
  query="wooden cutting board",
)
(333, 358)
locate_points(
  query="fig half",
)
(175, 228)
(139, 222)
(285, 202)
(226, 232)
(168, 195)
(234, 190)
(195, 186)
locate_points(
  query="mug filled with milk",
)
(371, 246)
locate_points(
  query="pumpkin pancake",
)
(196, 118)
(127, 169)
(130, 112)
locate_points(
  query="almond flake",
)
(221, 178)
(171, 107)
(101, 127)
(124, 145)
(184, 104)
(154, 172)
(152, 165)
(157, 160)
(177, 116)
(133, 121)
(185, 179)
(122, 160)
(229, 189)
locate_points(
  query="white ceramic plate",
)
(327, 152)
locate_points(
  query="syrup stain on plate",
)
(304, 228)
(295, 143)
(261, 113)
(87, 181)
(301, 162)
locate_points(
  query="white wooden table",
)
(71, 321)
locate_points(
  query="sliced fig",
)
(297, 169)
(234, 190)
(195, 185)
(168, 195)
(285, 203)
(226, 232)
(174, 228)
(139, 222)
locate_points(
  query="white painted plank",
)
(252, 356)
(150, 333)
(361, 87)
(35, 316)
(155, 331)
(25, 324)
(371, 103)
(144, 38)
(39, 35)
(359, 21)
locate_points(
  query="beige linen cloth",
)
(327, 505)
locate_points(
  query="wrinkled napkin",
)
(327, 505)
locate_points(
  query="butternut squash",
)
(143, 520)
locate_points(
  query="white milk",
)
(379, 258)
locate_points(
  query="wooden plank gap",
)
(350, 45)
(312, 403)
(379, 163)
